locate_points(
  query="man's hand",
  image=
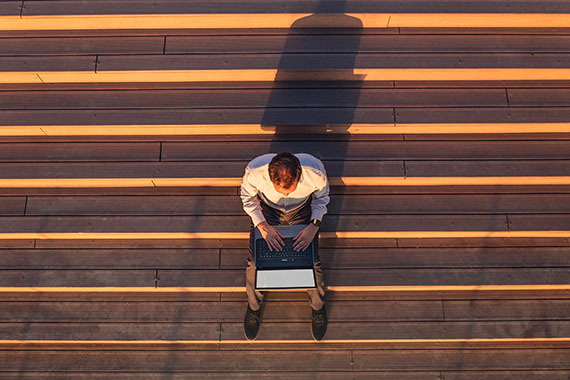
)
(273, 238)
(305, 237)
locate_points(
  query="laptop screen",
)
(285, 279)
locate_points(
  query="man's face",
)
(284, 191)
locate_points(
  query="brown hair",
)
(284, 170)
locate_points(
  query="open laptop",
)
(285, 269)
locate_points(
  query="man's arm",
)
(318, 210)
(248, 194)
(320, 198)
(251, 206)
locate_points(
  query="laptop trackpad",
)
(285, 278)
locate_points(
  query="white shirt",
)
(313, 182)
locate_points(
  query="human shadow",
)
(313, 99)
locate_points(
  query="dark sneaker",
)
(251, 323)
(319, 324)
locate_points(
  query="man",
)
(285, 189)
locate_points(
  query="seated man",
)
(285, 189)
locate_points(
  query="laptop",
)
(285, 269)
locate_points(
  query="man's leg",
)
(319, 319)
(252, 318)
(317, 295)
(254, 297)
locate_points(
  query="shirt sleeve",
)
(248, 194)
(320, 197)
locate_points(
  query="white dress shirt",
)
(313, 182)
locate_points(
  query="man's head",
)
(285, 172)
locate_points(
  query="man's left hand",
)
(305, 237)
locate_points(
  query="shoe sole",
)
(249, 340)
(313, 335)
(254, 338)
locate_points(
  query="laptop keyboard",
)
(263, 250)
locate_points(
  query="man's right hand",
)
(273, 238)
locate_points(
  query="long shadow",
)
(315, 94)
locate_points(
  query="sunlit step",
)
(15, 183)
(282, 20)
(269, 75)
(257, 129)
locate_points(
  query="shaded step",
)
(402, 330)
(351, 150)
(554, 97)
(472, 115)
(303, 41)
(340, 204)
(185, 241)
(290, 117)
(366, 43)
(237, 226)
(87, 151)
(10, 8)
(370, 277)
(230, 311)
(340, 148)
(253, 359)
(360, 63)
(88, 45)
(440, 257)
(250, 98)
(372, 375)
(402, 333)
(211, 279)
(285, 311)
(235, 258)
(229, 173)
(480, 64)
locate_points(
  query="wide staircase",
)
(125, 128)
